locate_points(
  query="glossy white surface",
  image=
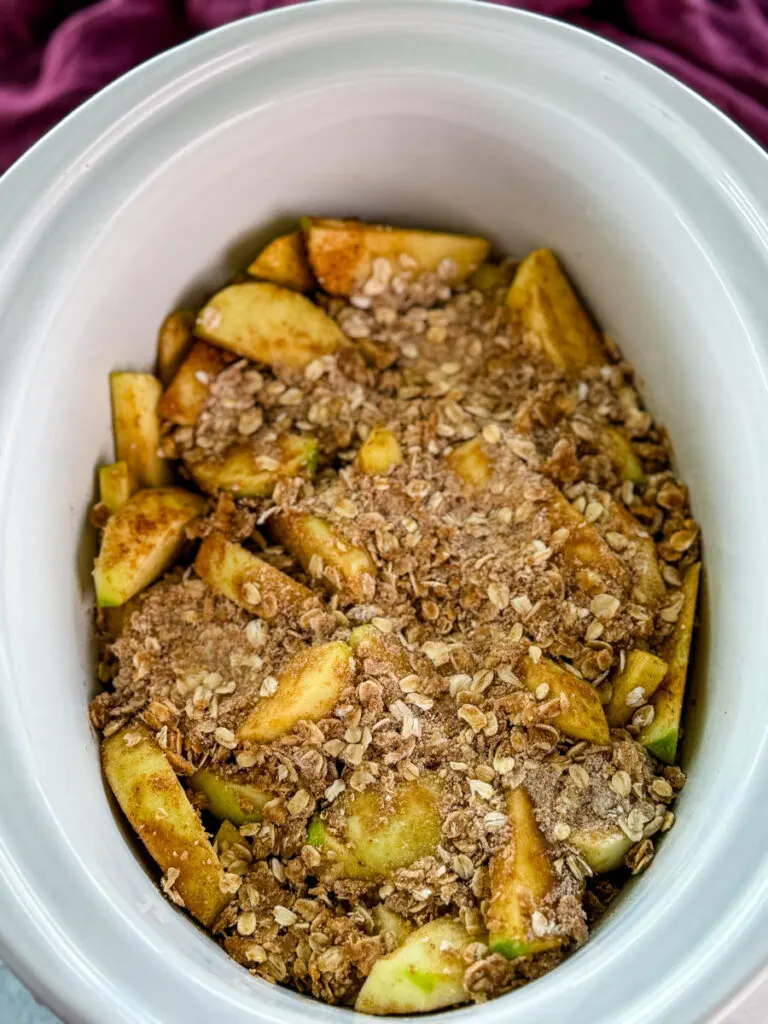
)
(440, 113)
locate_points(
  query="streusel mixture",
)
(522, 553)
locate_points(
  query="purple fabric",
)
(56, 53)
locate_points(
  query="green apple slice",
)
(155, 804)
(187, 395)
(582, 717)
(376, 838)
(662, 735)
(521, 879)
(246, 579)
(284, 262)
(141, 540)
(368, 642)
(308, 688)
(344, 253)
(319, 546)
(604, 849)
(471, 462)
(425, 973)
(379, 453)
(615, 444)
(248, 472)
(389, 923)
(553, 315)
(136, 426)
(115, 485)
(238, 802)
(269, 324)
(641, 678)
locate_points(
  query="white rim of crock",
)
(39, 947)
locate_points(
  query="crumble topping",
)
(470, 585)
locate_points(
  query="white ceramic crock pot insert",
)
(444, 114)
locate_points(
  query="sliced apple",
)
(582, 717)
(552, 314)
(141, 540)
(604, 849)
(488, 277)
(252, 471)
(376, 354)
(157, 807)
(389, 923)
(284, 262)
(227, 799)
(320, 547)
(380, 453)
(174, 340)
(308, 688)
(521, 880)
(115, 485)
(426, 973)
(615, 444)
(368, 642)
(190, 388)
(245, 578)
(641, 678)
(662, 735)
(269, 324)
(227, 837)
(378, 836)
(342, 252)
(136, 426)
(472, 463)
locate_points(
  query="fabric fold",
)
(55, 54)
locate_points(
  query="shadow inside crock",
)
(697, 696)
(247, 246)
(234, 260)
(87, 547)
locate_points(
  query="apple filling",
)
(396, 594)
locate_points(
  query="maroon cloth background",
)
(56, 53)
